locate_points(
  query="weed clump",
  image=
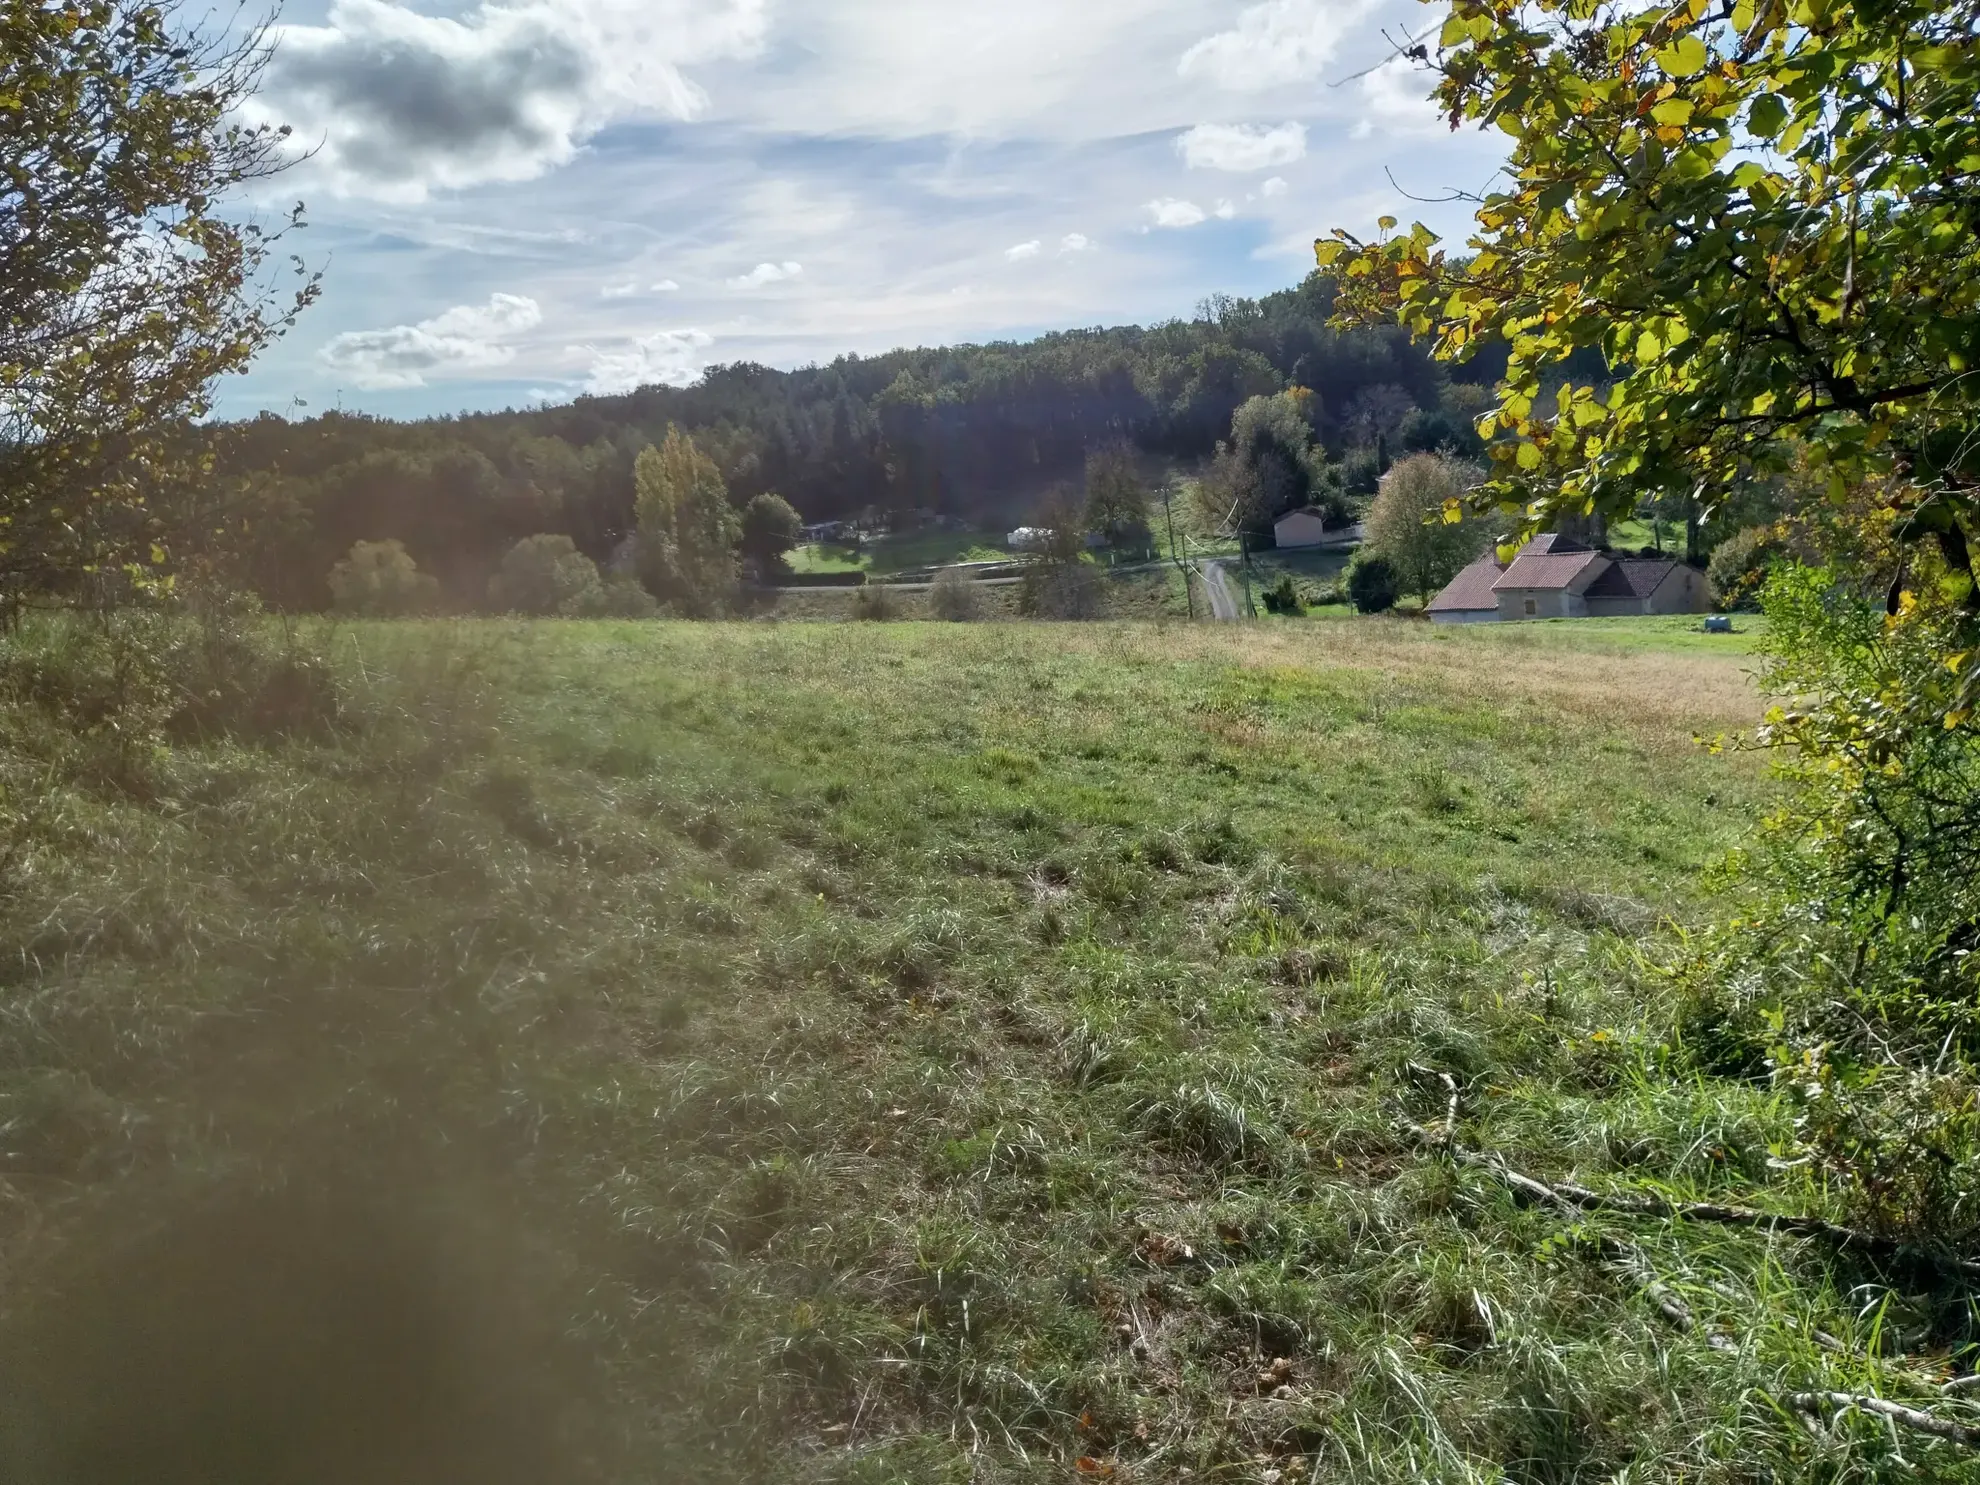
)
(952, 596)
(876, 603)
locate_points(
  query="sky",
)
(523, 201)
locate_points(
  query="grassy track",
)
(958, 1052)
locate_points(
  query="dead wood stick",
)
(1912, 1418)
(1566, 1194)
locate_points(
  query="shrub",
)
(545, 576)
(1855, 963)
(620, 596)
(1371, 583)
(770, 528)
(1284, 597)
(952, 596)
(379, 579)
(100, 691)
(876, 602)
(1739, 566)
(1061, 590)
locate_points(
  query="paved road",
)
(1217, 586)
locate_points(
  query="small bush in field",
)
(876, 602)
(1284, 597)
(952, 596)
(379, 579)
(1371, 583)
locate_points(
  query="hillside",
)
(902, 1052)
(974, 433)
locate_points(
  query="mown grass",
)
(911, 549)
(917, 1052)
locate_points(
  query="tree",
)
(1415, 522)
(770, 528)
(1739, 566)
(1117, 500)
(379, 579)
(544, 576)
(1269, 467)
(1376, 413)
(1058, 582)
(687, 528)
(1371, 583)
(127, 285)
(1760, 213)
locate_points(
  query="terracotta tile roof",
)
(1631, 577)
(1471, 589)
(1547, 570)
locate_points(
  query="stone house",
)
(1557, 577)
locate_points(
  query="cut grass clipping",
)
(915, 1052)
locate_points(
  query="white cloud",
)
(1225, 211)
(468, 337)
(1276, 186)
(665, 358)
(1169, 212)
(767, 273)
(1024, 250)
(1241, 147)
(1274, 44)
(666, 286)
(1074, 242)
(618, 291)
(397, 103)
(1395, 100)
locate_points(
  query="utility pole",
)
(1182, 564)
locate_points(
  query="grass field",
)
(920, 1053)
(902, 553)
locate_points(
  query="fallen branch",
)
(1567, 1197)
(1809, 1403)
(1448, 1139)
(1566, 1194)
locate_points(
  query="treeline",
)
(973, 432)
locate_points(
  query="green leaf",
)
(1528, 456)
(1767, 116)
(1685, 57)
(1672, 112)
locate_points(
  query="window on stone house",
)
(1532, 606)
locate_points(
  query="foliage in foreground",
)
(1857, 974)
(1761, 213)
(127, 282)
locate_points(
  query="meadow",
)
(919, 1052)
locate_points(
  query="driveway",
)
(1217, 587)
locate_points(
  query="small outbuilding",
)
(1307, 528)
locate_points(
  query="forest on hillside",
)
(979, 433)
